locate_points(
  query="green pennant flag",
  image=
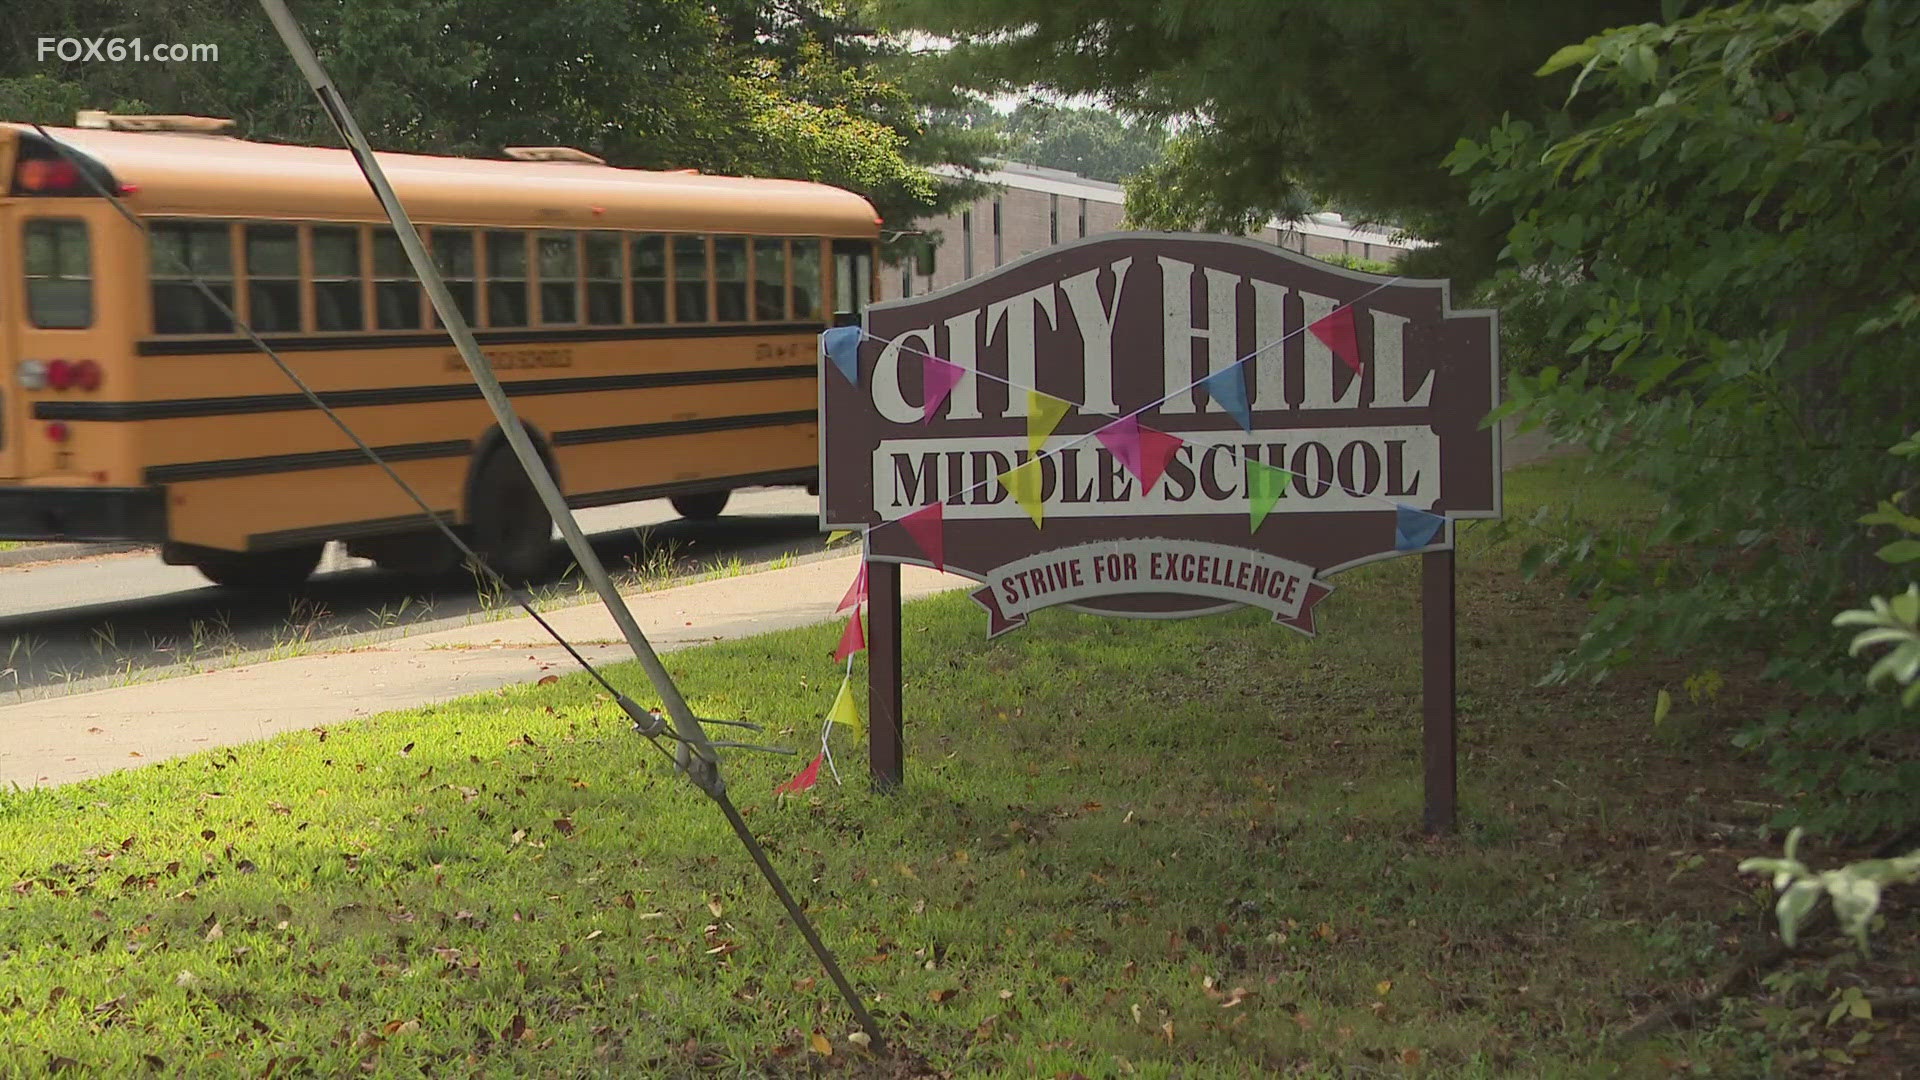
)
(1266, 485)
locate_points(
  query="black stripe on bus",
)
(683, 487)
(345, 530)
(177, 408)
(279, 463)
(209, 346)
(623, 432)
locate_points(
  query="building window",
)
(730, 278)
(396, 290)
(998, 250)
(690, 278)
(1053, 219)
(336, 279)
(604, 279)
(59, 275)
(559, 277)
(966, 243)
(453, 257)
(177, 253)
(649, 262)
(506, 279)
(1083, 218)
(770, 280)
(906, 281)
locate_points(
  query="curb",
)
(37, 553)
(345, 643)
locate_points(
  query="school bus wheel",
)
(700, 506)
(282, 568)
(509, 526)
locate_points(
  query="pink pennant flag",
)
(928, 528)
(856, 592)
(1156, 449)
(803, 779)
(938, 377)
(1122, 440)
(1336, 331)
(1143, 450)
(852, 640)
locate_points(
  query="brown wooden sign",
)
(1360, 402)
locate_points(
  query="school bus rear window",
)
(59, 275)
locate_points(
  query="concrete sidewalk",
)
(60, 740)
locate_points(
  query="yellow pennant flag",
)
(1044, 412)
(845, 712)
(1023, 483)
(838, 535)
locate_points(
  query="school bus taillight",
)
(86, 375)
(41, 176)
(57, 431)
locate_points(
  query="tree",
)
(1724, 237)
(1095, 143)
(1287, 103)
(793, 88)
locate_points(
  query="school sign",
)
(1218, 423)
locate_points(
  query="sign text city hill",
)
(1139, 320)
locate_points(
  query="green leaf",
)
(1662, 705)
(1794, 905)
(1565, 57)
(1900, 551)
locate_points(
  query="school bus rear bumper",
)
(82, 513)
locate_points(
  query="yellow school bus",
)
(656, 331)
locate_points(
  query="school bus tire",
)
(701, 505)
(281, 568)
(508, 525)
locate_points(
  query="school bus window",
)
(506, 279)
(336, 279)
(649, 255)
(806, 280)
(396, 292)
(603, 278)
(690, 279)
(59, 275)
(559, 278)
(179, 251)
(453, 257)
(273, 278)
(769, 280)
(730, 278)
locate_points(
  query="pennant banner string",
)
(1209, 382)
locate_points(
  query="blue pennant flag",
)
(1229, 387)
(1414, 529)
(842, 346)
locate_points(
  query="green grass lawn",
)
(1123, 849)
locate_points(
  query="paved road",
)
(72, 623)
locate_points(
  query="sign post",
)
(1162, 426)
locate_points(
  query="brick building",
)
(1036, 208)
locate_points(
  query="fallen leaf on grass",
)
(820, 1045)
(547, 680)
(803, 985)
(860, 1039)
(563, 826)
(516, 1028)
(1410, 1057)
(941, 996)
(713, 905)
